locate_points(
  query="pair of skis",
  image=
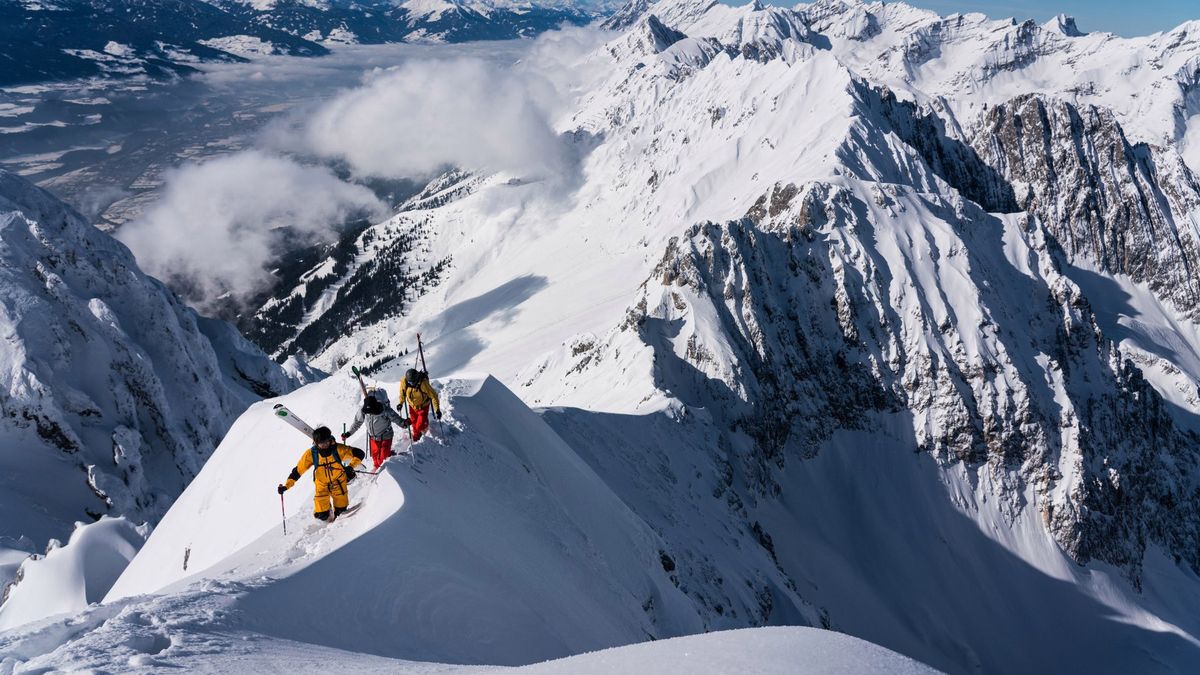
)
(425, 369)
(294, 421)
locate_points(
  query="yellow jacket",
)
(418, 397)
(328, 471)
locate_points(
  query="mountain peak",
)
(1064, 25)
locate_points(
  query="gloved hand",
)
(344, 437)
(281, 489)
(349, 473)
(437, 414)
(404, 422)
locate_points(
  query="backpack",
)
(316, 457)
(372, 406)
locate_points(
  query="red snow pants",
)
(418, 421)
(381, 449)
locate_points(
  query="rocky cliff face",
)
(929, 277)
(1128, 209)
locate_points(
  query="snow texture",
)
(497, 544)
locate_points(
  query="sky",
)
(1123, 17)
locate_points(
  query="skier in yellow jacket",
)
(330, 475)
(416, 391)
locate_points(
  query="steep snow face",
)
(114, 392)
(823, 316)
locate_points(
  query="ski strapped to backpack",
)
(425, 376)
(361, 384)
(290, 418)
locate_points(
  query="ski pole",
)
(283, 512)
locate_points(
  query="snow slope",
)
(498, 545)
(143, 643)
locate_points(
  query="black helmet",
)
(322, 434)
(413, 376)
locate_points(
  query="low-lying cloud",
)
(216, 227)
(473, 113)
(427, 115)
(217, 224)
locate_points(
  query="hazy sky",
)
(1123, 17)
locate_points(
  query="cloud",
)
(217, 224)
(429, 113)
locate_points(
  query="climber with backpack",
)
(330, 475)
(418, 394)
(378, 415)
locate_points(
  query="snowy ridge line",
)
(425, 518)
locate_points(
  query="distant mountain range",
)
(52, 40)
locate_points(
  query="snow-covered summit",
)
(1064, 24)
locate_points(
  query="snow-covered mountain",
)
(67, 39)
(856, 316)
(852, 244)
(380, 21)
(114, 391)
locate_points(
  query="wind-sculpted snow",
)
(74, 576)
(497, 543)
(114, 392)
